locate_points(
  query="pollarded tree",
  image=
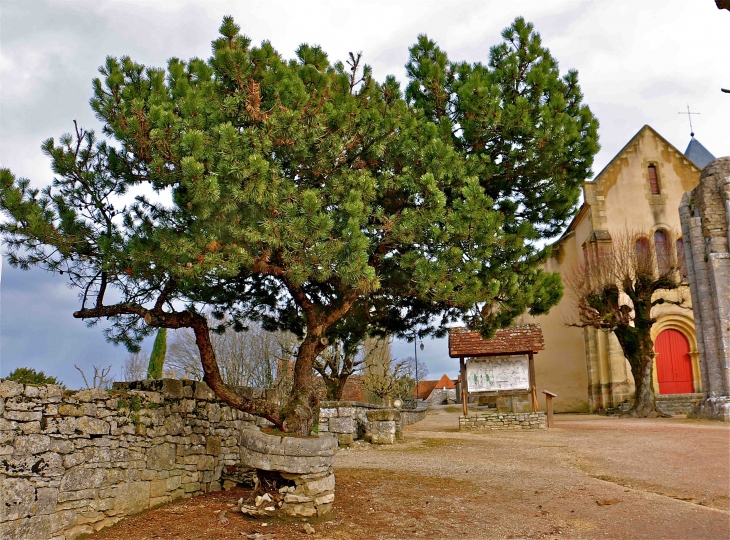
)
(618, 289)
(305, 193)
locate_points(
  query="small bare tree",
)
(135, 366)
(616, 290)
(382, 374)
(247, 358)
(101, 377)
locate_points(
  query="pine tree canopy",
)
(307, 194)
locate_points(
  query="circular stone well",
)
(294, 475)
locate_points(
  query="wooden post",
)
(531, 370)
(464, 388)
(549, 406)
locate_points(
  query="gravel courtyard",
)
(589, 477)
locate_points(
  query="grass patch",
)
(453, 409)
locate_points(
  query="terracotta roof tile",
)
(425, 388)
(445, 382)
(516, 339)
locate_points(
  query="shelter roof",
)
(513, 340)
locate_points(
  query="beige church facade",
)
(639, 190)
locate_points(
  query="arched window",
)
(661, 246)
(643, 255)
(681, 259)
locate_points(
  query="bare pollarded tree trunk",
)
(616, 289)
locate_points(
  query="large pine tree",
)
(311, 197)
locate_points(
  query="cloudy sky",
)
(640, 62)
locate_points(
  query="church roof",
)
(699, 155)
(513, 340)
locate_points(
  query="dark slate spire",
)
(698, 154)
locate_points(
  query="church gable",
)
(642, 185)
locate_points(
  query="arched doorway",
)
(673, 363)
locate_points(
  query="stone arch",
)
(686, 326)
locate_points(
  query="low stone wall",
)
(351, 420)
(72, 463)
(502, 421)
(412, 416)
(675, 404)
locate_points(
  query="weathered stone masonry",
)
(495, 421)
(705, 217)
(72, 463)
(351, 420)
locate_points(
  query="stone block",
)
(345, 439)
(202, 391)
(342, 425)
(158, 488)
(381, 415)
(213, 445)
(30, 427)
(174, 424)
(80, 477)
(132, 497)
(92, 426)
(94, 454)
(315, 487)
(206, 463)
(18, 499)
(327, 498)
(32, 444)
(172, 388)
(23, 416)
(327, 413)
(345, 412)
(10, 389)
(382, 438)
(7, 425)
(161, 457)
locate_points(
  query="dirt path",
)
(590, 477)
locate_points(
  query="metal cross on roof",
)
(689, 116)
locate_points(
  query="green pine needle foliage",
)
(305, 187)
(31, 376)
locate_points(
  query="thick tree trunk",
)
(638, 348)
(298, 411)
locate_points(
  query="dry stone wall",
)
(72, 463)
(502, 421)
(351, 420)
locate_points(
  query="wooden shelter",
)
(505, 350)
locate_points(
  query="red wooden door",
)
(673, 365)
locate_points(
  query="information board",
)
(498, 373)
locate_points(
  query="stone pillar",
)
(705, 214)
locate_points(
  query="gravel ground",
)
(589, 477)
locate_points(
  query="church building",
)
(639, 190)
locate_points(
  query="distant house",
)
(437, 392)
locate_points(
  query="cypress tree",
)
(157, 358)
